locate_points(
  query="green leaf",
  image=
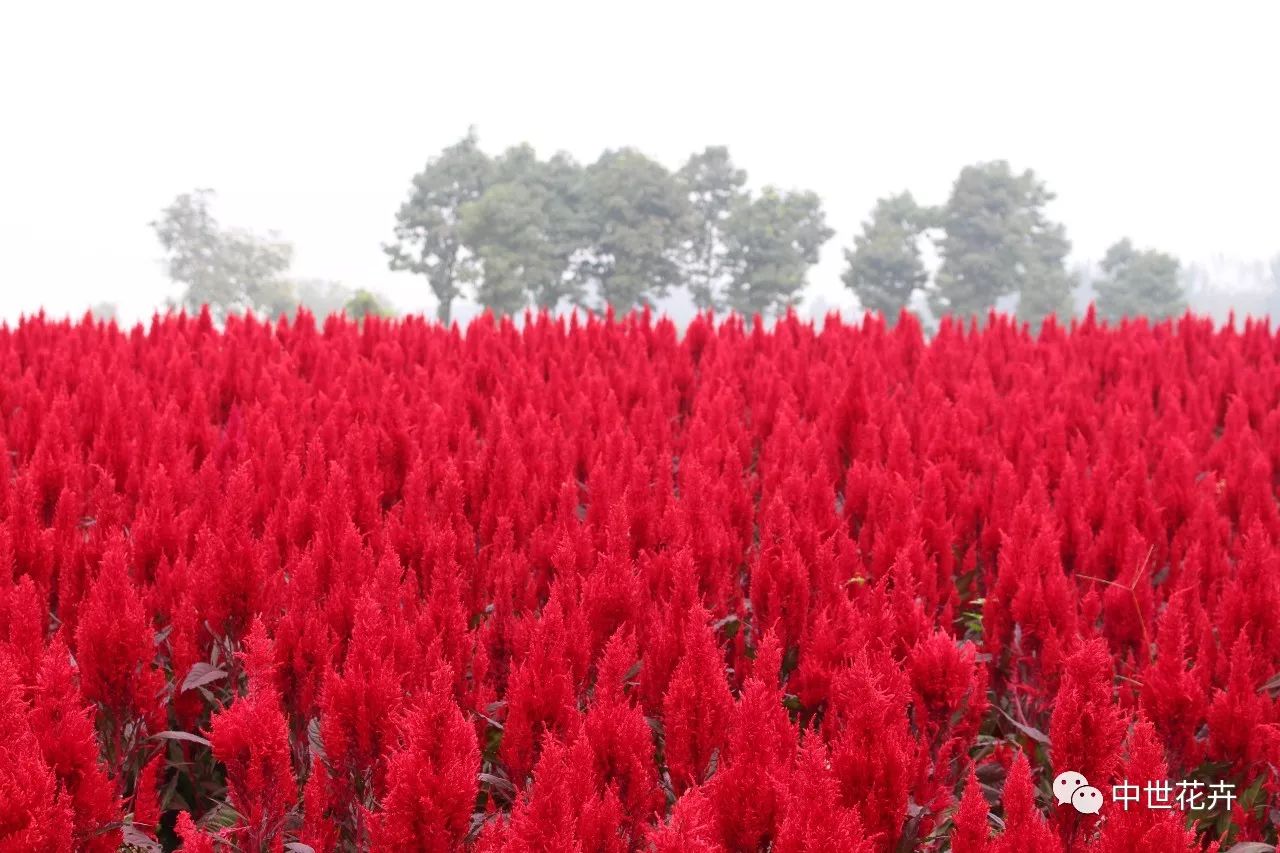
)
(201, 674)
(1252, 847)
(1030, 731)
(184, 736)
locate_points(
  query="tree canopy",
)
(428, 238)
(226, 269)
(885, 266)
(997, 241)
(1137, 282)
(771, 243)
(517, 231)
(714, 187)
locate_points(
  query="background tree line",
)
(515, 231)
(231, 269)
(993, 239)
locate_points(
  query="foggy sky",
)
(1156, 121)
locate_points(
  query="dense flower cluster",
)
(592, 585)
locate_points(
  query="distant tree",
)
(523, 231)
(227, 269)
(1138, 282)
(997, 241)
(322, 297)
(636, 225)
(771, 242)
(885, 266)
(1271, 302)
(427, 232)
(714, 188)
(364, 303)
(104, 311)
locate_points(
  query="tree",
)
(714, 188)
(885, 267)
(522, 231)
(105, 312)
(427, 232)
(1272, 307)
(322, 297)
(997, 241)
(226, 269)
(771, 242)
(364, 303)
(1137, 282)
(636, 225)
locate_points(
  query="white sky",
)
(1153, 120)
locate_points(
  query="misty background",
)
(1153, 122)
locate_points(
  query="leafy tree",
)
(771, 242)
(227, 269)
(714, 188)
(322, 297)
(1046, 292)
(427, 232)
(1137, 282)
(635, 227)
(997, 241)
(523, 230)
(885, 267)
(364, 303)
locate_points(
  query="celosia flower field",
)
(593, 585)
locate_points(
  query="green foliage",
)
(428, 238)
(997, 241)
(636, 224)
(227, 269)
(771, 242)
(1046, 293)
(322, 297)
(1137, 282)
(364, 303)
(522, 232)
(714, 188)
(885, 266)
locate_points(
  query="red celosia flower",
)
(251, 739)
(1086, 728)
(431, 777)
(621, 739)
(1140, 827)
(872, 752)
(63, 725)
(114, 651)
(565, 809)
(696, 708)
(972, 831)
(193, 840)
(146, 794)
(1025, 829)
(36, 815)
(813, 818)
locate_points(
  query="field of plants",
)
(593, 585)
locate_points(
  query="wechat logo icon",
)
(1072, 788)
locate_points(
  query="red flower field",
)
(593, 585)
